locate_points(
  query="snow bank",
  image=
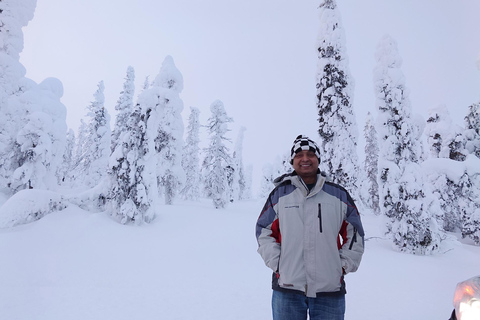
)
(29, 205)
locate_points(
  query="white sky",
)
(258, 57)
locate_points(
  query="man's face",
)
(305, 164)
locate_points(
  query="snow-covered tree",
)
(337, 125)
(443, 136)
(283, 164)
(472, 132)
(64, 173)
(469, 202)
(470, 182)
(446, 142)
(124, 106)
(42, 137)
(146, 83)
(238, 185)
(370, 188)
(79, 152)
(266, 180)
(457, 186)
(270, 172)
(217, 157)
(169, 141)
(133, 193)
(247, 193)
(404, 199)
(191, 157)
(13, 16)
(96, 149)
(446, 187)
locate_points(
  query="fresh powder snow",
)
(197, 262)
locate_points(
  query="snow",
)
(197, 262)
(452, 169)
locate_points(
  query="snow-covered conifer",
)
(469, 203)
(270, 172)
(247, 193)
(238, 186)
(217, 158)
(13, 16)
(124, 106)
(472, 129)
(133, 193)
(337, 125)
(79, 152)
(169, 141)
(266, 180)
(284, 165)
(42, 137)
(443, 136)
(446, 142)
(403, 196)
(457, 186)
(146, 83)
(191, 157)
(64, 173)
(371, 166)
(96, 149)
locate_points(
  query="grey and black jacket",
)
(310, 239)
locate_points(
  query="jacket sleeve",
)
(268, 233)
(352, 232)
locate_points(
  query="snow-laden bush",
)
(92, 199)
(30, 205)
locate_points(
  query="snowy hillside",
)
(195, 262)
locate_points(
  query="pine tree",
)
(169, 141)
(217, 158)
(239, 182)
(444, 138)
(79, 152)
(124, 106)
(371, 166)
(270, 172)
(472, 132)
(64, 173)
(445, 141)
(266, 180)
(133, 193)
(469, 202)
(337, 126)
(247, 193)
(470, 181)
(13, 16)
(191, 157)
(403, 198)
(42, 137)
(96, 149)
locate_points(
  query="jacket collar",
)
(295, 179)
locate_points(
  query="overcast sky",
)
(258, 57)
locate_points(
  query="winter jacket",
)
(307, 237)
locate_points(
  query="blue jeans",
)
(292, 306)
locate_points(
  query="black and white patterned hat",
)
(304, 143)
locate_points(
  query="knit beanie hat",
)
(304, 143)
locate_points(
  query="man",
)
(310, 234)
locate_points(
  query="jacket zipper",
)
(320, 217)
(354, 238)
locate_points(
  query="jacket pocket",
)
(320, 217)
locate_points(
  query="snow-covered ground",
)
(195, 262)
